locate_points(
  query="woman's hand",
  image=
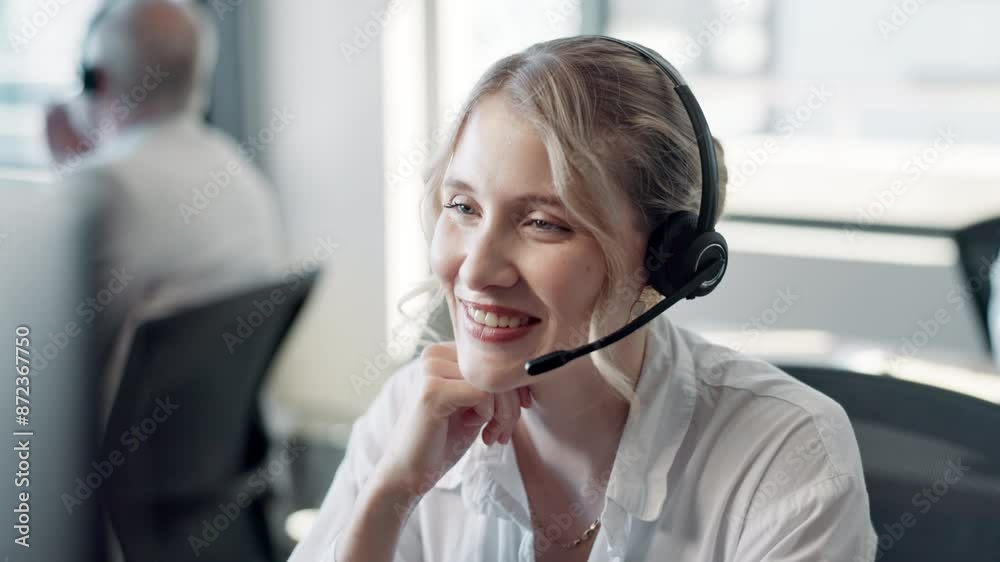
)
(442, 422)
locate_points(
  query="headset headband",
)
(706, 150)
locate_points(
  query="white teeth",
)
(490, 320)
(494, 320)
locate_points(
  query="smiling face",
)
(501, 243)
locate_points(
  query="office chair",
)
(908, 433)
(187, 422)
(978, 246)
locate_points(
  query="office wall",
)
(327, 165)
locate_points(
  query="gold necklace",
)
(573, 543)
(565, 545)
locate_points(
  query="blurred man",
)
(184, 215)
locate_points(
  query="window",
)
(39, 57)
(487, 32)
(865, 112)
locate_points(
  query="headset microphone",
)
(689, 256)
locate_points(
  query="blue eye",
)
(540, 224)
(548, 226)
(460, 205)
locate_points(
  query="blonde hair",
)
(611, 124)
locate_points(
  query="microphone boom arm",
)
(559, 358)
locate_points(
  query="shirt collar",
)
(139, 133)
(652, 435)
(654, 432)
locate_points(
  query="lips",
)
(496, 334)
(498, 310)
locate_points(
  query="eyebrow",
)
(536, 198)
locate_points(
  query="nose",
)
(488, 259)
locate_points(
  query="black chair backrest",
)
(932, 464)
(187, 422)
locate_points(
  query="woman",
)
(661, 446)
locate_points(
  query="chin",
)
(492, 378)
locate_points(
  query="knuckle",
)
(442, 410)
(430, 398)
(428, 352)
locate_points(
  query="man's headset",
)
(685, 256)
(89, 75)
(89, 79)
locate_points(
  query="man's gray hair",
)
(175, 41)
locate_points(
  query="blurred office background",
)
(862, 140)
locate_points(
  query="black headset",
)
(88, 78)
(89, 75)
(685, 256)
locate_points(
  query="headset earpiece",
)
(676, 252)
(707, 249)
(667, 244)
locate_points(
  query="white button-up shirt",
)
(729, 458)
